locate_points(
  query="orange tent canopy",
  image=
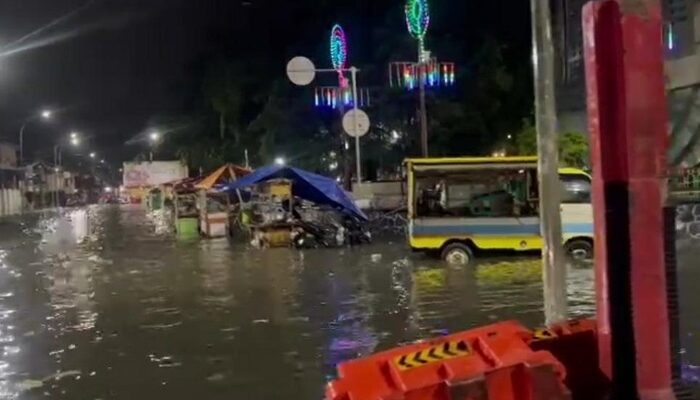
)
(227, 173)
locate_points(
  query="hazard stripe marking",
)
(433, 354)
(544, 334)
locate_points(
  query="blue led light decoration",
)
(335, 96)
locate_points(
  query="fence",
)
(10, 202)
(380, 196)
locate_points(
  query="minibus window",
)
(575, 189)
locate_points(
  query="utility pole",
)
(21, 144)
(554, 267)
(345, 151)
(423, 107)
(427, 72)
(358, 157)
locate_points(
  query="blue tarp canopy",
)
(307, 185)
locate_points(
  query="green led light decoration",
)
(417, 18)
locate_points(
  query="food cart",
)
(283, 202)
(272, 221)
(215, 206)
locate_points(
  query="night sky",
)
(108, 66)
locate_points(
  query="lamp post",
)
(44, 115)
(154, 137)
(74, 140)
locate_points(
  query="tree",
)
(573, 146)
(242, 101)
(223, 89)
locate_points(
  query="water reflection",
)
(105, 305)
(8, 342)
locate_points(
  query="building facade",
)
(681, 36)
(567, 34)
(8, 155)
(10, 176)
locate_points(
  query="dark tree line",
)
(238, 98)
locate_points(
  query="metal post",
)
(637, 302)
(554, 268)
(54, 192)
(358, 160)
(21, 143)
(423, 107)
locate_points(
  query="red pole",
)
(628, 124)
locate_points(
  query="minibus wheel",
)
(457, 254)
(579, 249)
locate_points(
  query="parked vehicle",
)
(461, 206)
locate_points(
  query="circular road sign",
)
(352, 128)
(301, 71)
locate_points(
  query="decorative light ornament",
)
(339, 48)
(342, 95)
(418, 20)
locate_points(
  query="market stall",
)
(290, 206)
(215, 206)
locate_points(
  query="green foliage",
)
(246, 103)
(574, 150)
(526, 140)
(573, 146)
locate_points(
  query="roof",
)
(488, 160)
(572, 171)
(471, 160)
(306, 185)
(226, 174)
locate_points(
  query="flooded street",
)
(130, 314)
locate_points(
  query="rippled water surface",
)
(130, 314)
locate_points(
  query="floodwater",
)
(130, 313)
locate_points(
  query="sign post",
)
(301, 71)
(554, 268)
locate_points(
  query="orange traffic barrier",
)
(489, 363)
(574, 344)
(584, 326)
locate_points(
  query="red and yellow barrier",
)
(504, 361)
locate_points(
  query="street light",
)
(155, 140)
(74, 139)
(44, 115)
(280, 161)
(93, 155)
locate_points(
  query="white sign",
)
(357, 128)
(147, 174)
(301, 71)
